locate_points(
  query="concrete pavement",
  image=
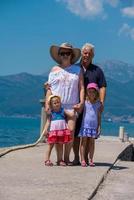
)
(119, 184)
(23, 175)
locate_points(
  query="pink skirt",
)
(59, 136)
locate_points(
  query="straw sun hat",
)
(54, 52)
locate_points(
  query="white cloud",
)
(127, 30)
(128, 11)
(89, 8)
(84, 8)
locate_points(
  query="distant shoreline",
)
(21, 116)
(116, 119)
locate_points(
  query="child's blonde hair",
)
(51, 97)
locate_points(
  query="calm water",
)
(17, 131)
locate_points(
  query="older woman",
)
(66, 80)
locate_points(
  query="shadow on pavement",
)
(103, 164)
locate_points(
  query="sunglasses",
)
(65, 53)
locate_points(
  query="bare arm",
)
(47, 86)
(47, 107)
(79, 107)
(102, 97)
(81, 88)
(46, 127)
(99, 118)
(99, 121)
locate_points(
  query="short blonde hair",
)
(51, 97)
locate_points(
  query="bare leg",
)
(87, 151)
(71, 126)
(83, 148)
(59, 148)
(91, 148)
(76, 143)
(48, 152)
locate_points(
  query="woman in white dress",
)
(66, 80)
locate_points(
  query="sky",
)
(28, 28)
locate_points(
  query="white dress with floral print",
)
(65, 83)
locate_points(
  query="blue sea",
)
(18, 131)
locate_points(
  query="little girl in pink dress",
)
(56, 130)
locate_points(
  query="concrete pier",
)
(23, 175)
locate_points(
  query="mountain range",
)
(20, 93)
(119, 98)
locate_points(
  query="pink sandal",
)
(92, 164)
(48, 163)
(83, 163)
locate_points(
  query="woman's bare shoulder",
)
(56, 68)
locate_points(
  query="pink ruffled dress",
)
(59, 132)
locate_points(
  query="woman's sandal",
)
(61, 163)
(48, 163)
(83, 163)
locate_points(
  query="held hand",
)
(47, 108)
(78, 107)
(47, 86)
(45, 133)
